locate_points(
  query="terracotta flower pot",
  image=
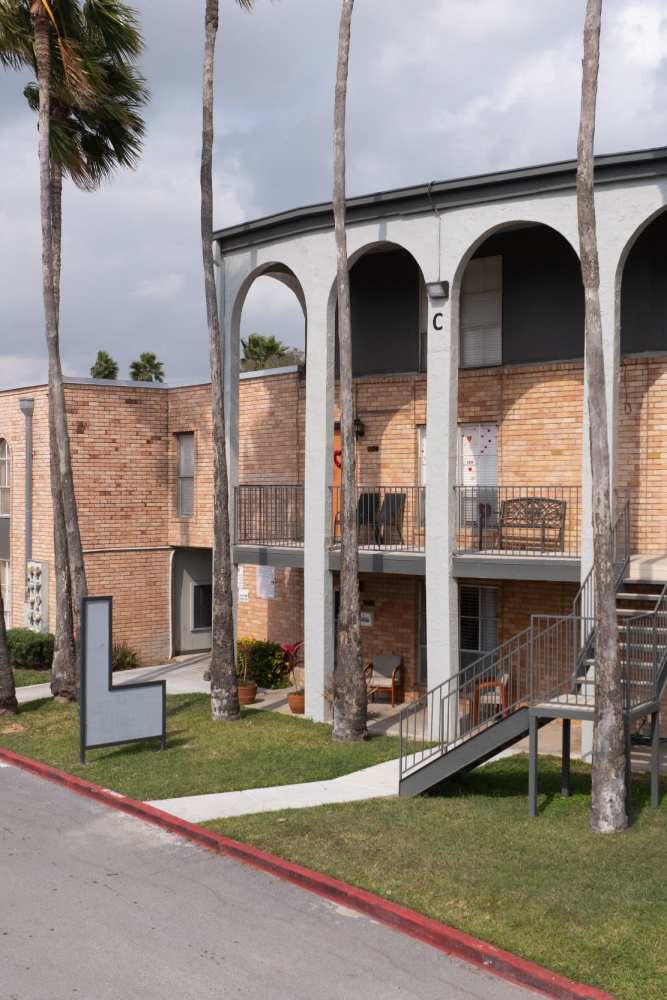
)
(297, 702)
(247, 692)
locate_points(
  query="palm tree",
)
(608, 813)
(224, 689)
(264, 352)
(147, 368)
(350, 695)
(94, 125)
(8, 703)
(104, 367)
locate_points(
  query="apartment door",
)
(478, 474)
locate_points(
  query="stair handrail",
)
(642, 669)
(583, 605)
(433, 724)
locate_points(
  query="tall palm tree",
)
(147, 368)
(608, 813)
(350, 695)
(224, 690)
(94, 124)
(8, 703)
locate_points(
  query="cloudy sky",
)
(438, 88)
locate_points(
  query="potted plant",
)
(247, 687)
(296, 699)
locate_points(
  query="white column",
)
(318, 609)
(442, 408)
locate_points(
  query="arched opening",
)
(641, 473)
(388, 301)
(644, 291)
(518, 312)
(522, 299)
(5, 526)
(272, 309)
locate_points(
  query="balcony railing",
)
(389, 518)
(269, 515)
(519, 520)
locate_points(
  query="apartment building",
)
(474, 480)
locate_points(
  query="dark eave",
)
(441, 195)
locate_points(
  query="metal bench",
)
(534, 523)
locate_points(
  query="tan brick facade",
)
(124, 453)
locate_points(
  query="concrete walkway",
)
(379, 781)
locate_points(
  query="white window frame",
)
(6, 465)
(181, 477)
(481, 313)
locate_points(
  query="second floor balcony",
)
(532, 524)
(525, 521)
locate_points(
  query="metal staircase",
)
(545, 672)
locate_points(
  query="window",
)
(5, 589)
(185, 484)
(5, 479)
(482, 313)
(202, 606)
(478, 617)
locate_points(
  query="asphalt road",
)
(96, 905)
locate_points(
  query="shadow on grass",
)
(509, 779)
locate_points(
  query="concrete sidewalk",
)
(379, 781)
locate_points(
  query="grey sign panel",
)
(109, 714)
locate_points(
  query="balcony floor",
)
(517, 566)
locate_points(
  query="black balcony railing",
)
(523, 520)
(388, 517)
(269, 515)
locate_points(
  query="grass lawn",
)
(23, 676)
(591, 907)
(264, 748)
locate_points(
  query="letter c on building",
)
(438, 322)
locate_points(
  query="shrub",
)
(123, 657)
(262, 662)
(30, 649)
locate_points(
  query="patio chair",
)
(367, 512)
(389, 526)
(490, 696)
(385, 673)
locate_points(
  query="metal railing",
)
(388, 517)
(584, 603)
(643, 651)
(523, 520)
(492, 687)
(270, 515)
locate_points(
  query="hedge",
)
(30, 649)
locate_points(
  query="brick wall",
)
(277, 620)
(395, 627)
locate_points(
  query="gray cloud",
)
(438, 88)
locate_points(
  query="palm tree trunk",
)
(224, 690)
(608, 813)
(8, 702)
(350, 696)
(63, 482)
(64, 673)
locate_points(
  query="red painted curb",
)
(446, 939)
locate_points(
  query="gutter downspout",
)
(27, 409)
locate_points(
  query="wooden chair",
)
(494, 694)
(385, 673)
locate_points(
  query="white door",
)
(478, 471)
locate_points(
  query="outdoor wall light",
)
(437, 289)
